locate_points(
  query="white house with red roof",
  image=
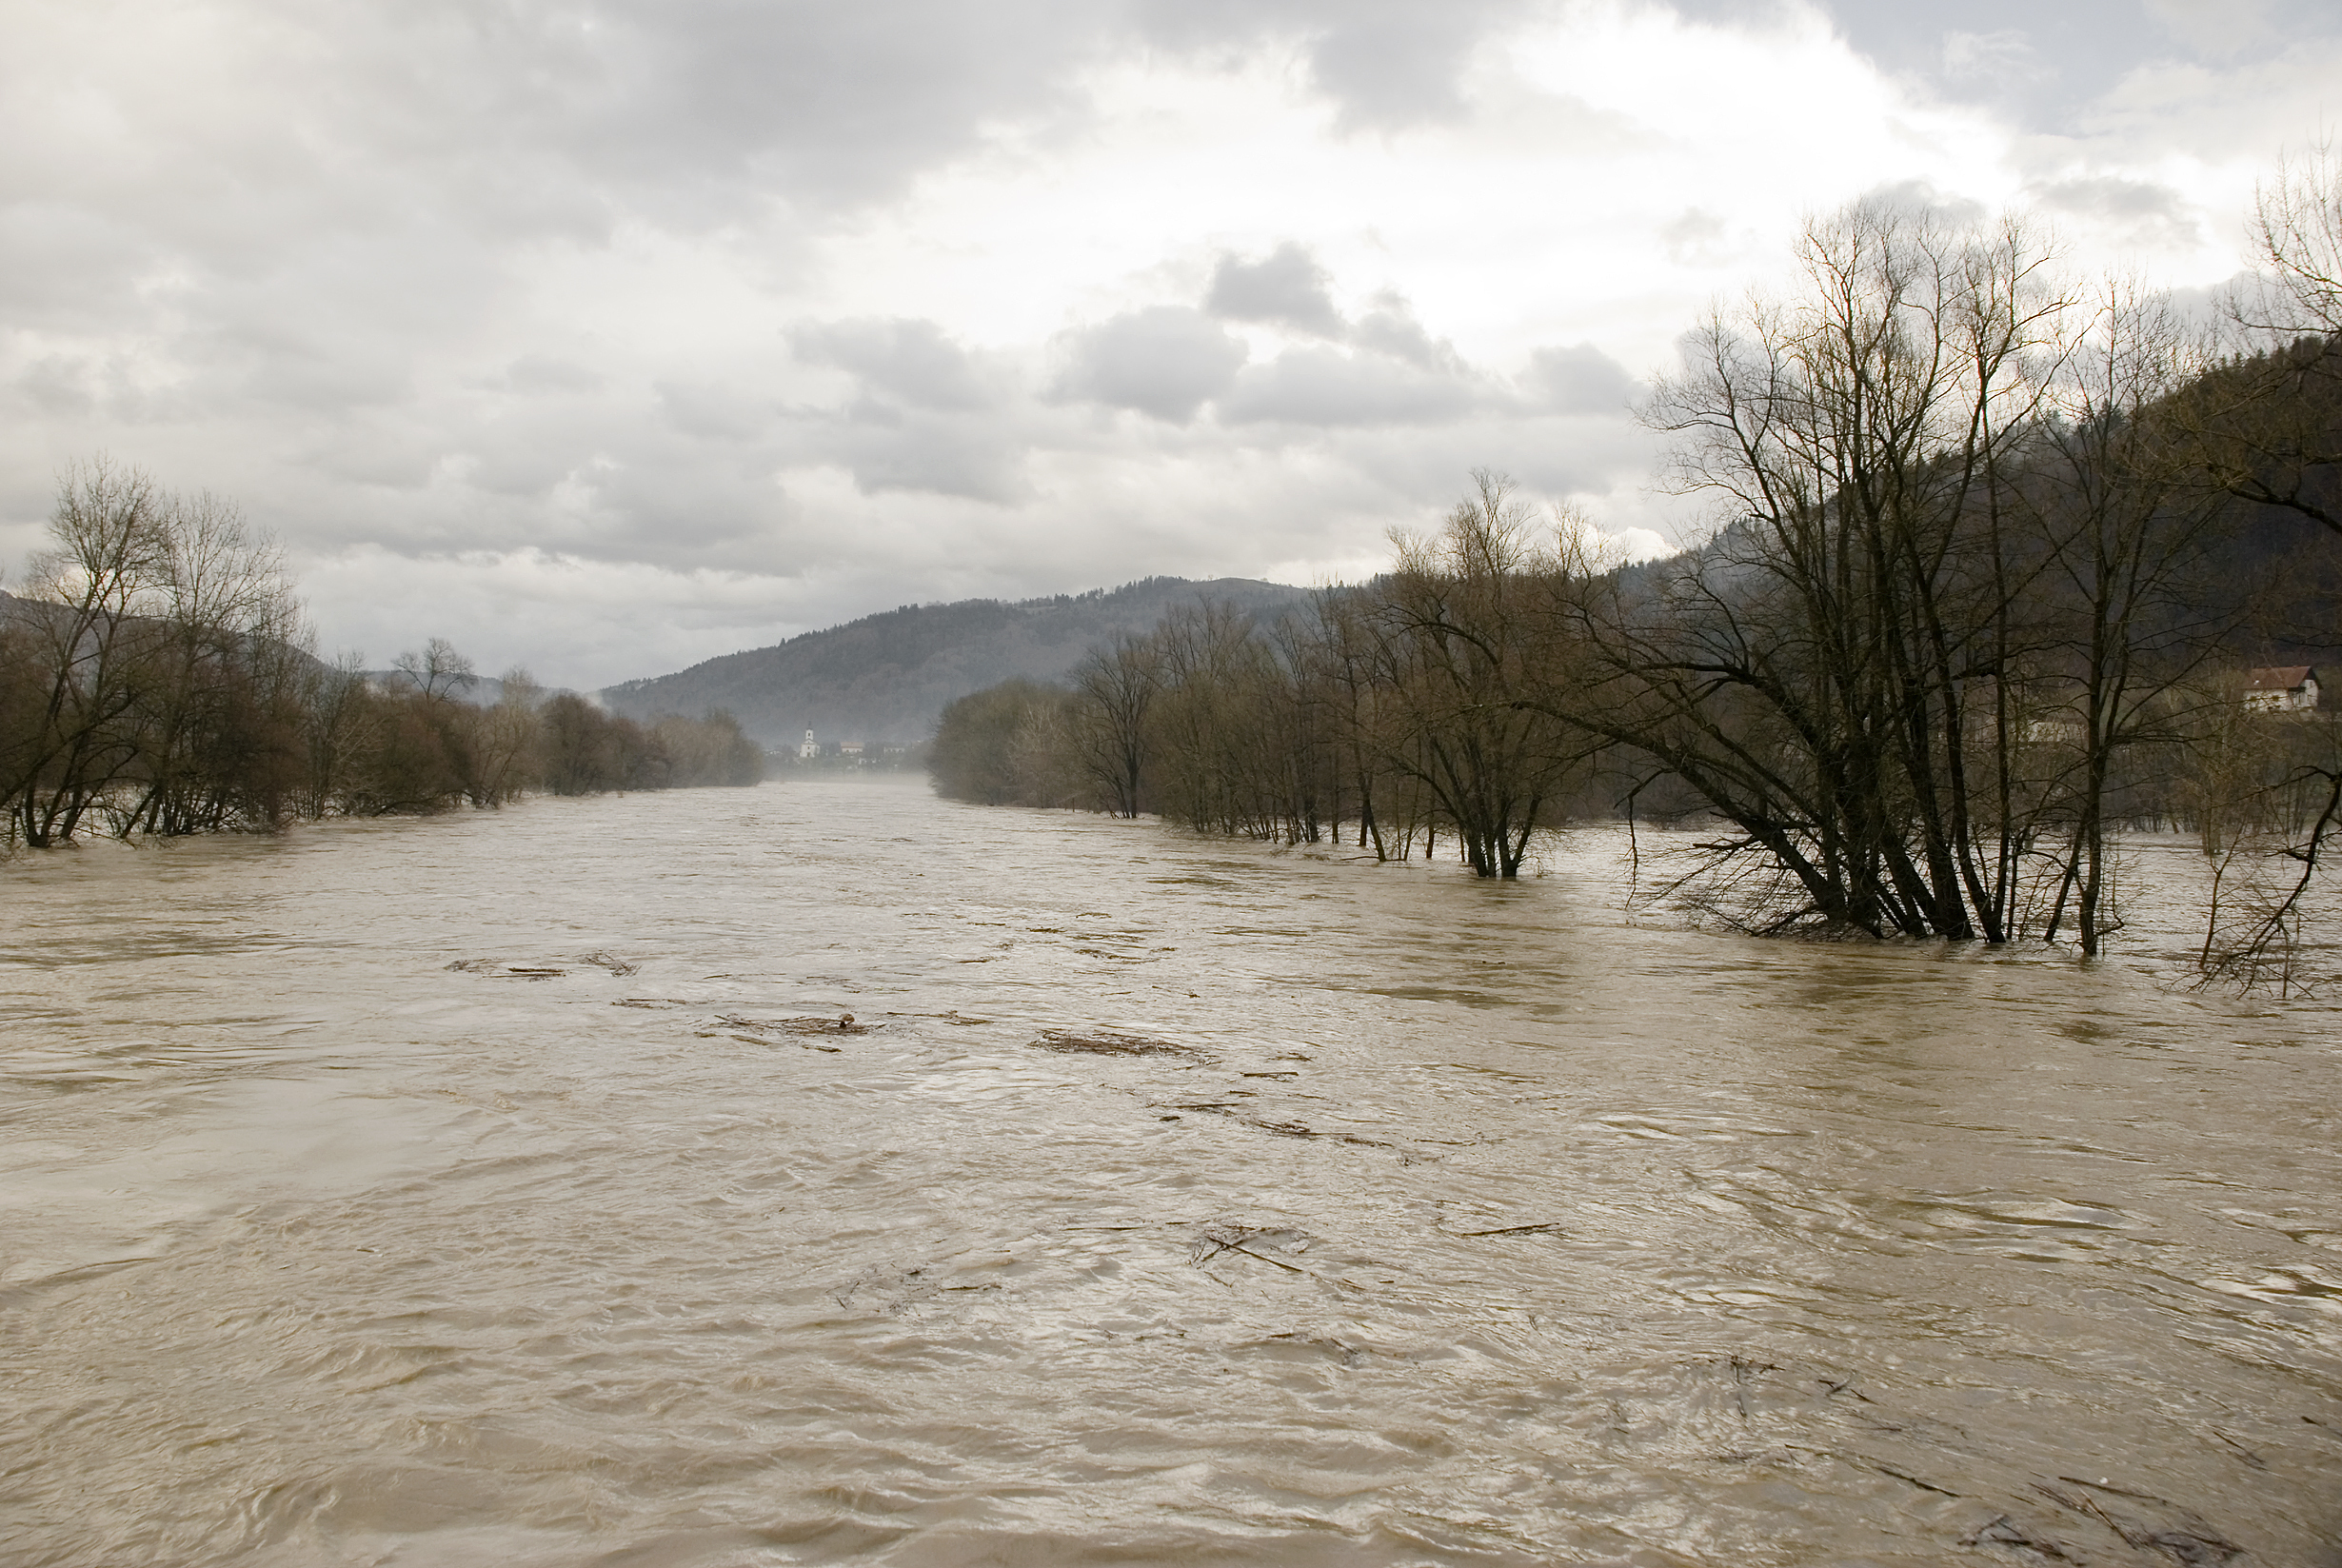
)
(2281, 689)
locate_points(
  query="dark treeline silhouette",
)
(1993, 557)
(156, 679)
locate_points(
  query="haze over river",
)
(1466, 1223)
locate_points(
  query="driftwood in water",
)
(844, 1023)
(1108, 1043)
(520, 971)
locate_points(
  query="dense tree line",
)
(1396, 715)
(155, 678)
(1990, 561)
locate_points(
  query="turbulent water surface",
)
(1168, 1200)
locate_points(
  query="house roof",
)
(2279, 677)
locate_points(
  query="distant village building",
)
(2283, 689)
(850, 748)
(807, 750)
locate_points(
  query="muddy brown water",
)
(1454, 1224)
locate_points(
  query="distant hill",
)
(886, 677)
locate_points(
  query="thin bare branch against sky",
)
(611, 335)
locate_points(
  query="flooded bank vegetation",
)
(156, 679)
(1994, 555)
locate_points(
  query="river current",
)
(504, 1189)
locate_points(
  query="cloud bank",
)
(608, 335)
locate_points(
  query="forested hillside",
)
(887, 677)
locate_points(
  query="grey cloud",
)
(913, 360)
(1326, 386)
(1286, 287)
(1167, 361)
(548, 376)
(1387, 63)
(712, 513)
(524, 470)
(680, 103)
(1696, 239)
(1426, 463)
(2110, 197)
(1392, 330)
(1920, 199)
(938, 454)
(1393, 62)
(712, 413)
(1579, 379)
(373, 454)
(2043, 62)
(2218, 28)
(927, 417)
(57, 385)
(831, 103)
(1395, 372)
(2139, 211)
(2000, 55)
(301, 372)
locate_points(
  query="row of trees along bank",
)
(1993, 554)
(157, 678)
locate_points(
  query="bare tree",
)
(1115, 686)
(439, 672)
(215, 718)
(2133, 622)
(502, 740)
(2296, 232)
(1812, 672)
(93, 594)
(1465, 624)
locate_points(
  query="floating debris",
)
(520, 971)
(1107, 1042)
(844, 1023)
(1288, 1129)
(615, 966)
(2182, 1536)
(1549, 1228)
(653, 1002)
(1216, 1239)
(761, 1040)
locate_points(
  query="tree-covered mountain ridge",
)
(887, 677)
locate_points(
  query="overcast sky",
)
(608, 335)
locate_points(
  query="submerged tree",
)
(87, 637)
(1813, 673)
(1465, 633)
(1117, 686)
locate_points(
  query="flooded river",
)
(1197, 1203)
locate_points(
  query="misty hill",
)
(481, 690)
(886, 677)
